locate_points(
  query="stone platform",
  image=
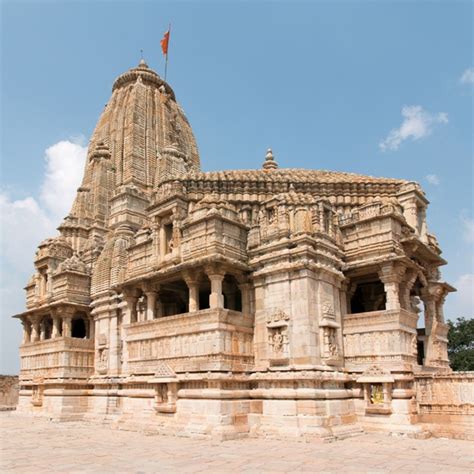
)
(31, 444)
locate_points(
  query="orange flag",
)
(164, 43)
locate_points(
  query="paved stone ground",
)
(35, 445)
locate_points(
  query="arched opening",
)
(369, 295)
(79, 328)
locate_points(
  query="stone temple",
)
(266, 302)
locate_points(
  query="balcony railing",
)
(57, 358)
(211, 339)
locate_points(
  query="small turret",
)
(269, 163)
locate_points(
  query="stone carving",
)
(328, 310)
(277, 318)
(330, 342)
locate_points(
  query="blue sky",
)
(322, 83)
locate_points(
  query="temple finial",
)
(142, 61)
(270, 163)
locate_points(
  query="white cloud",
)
(461, 303)
(64, 169)
(467, 76)
(417, 123)
(24, 223)
(468, 228)
(433, 179)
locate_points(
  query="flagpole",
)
(167, 50)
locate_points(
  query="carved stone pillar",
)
(49, 285)
(56, 326)
(430, 311)
(350, 290)
(159, 311)
(43, 330)
(130, 310)
(35, 329)
(26, 330)
(192, 281)
(405, 288)
(440, 308)
(162, 241)
(150, 305)
(245, 289)
(91, 327)
(216, 299)
(391, 275)
(67, 325)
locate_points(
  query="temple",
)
(267, 302)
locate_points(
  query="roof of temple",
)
(290, 174)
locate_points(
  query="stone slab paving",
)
(36, 445)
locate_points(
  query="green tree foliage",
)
(461, 344)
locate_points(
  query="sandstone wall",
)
(446, 404)
(8, 391)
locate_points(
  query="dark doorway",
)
(368, 296)
(78, 329)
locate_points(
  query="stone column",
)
(193, 286)
(130, 315)
(159, 312)
(245, 289)
(350, 289)
(43, 330)
(35, 329)
(150, 305)
(91, 327)
(26, 330)
(391, 275)
(440, 308)
(192, 281)
(430, 311)
(56, 326)
(216, 299)
(67, 325)
(162, 238)
(49, 286)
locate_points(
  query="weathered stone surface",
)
(272, 302)
(8, 392)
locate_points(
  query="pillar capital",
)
(150, 287)
(392, 272)
(191, 277)
(215, 271)
(66, 312)
(130, 292)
